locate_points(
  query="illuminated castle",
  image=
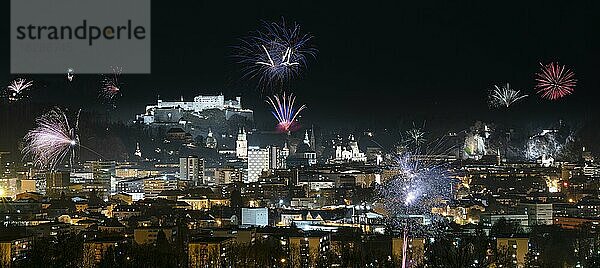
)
(172, 111)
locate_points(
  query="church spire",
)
(138, 152)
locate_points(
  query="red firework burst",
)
(555, 81)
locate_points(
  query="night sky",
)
(379, 64)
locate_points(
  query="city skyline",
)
(299, 135)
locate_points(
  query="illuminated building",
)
(172, 111)
(133, 187)
(278, 156)
(94, 250)
(57, 183)
(227, 175)
(415, 249)
(148, 235)
(349, 152)
(103, 172)
(154, 186)
(307, 250)
(304, 155)
(517, 248)
(255, 216)
(489, 220)
(211, 141)
(258, 161)
(204, 203)
(13, 249)
(538, 213)
(191, 169)
(241, 145)
(209, 252)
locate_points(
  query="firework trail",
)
(17, 88)
(275, 54)
(404, 248)
(555, 81)
(111, 87)
(504, 96)
(51, 140)
(284, 111)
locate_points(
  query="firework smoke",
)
(51, 140)
(17, 88)
(275, 54)
(504, 96)
(545, 144)
(284, 111)
(555, 81)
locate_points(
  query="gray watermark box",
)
(88, 36)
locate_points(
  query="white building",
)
(191, 169)
(133, 187)
(318, 185)
(349, 153)
(538, 213)
(278, 156)
(241, 145)
(82, 177)
(258, 161)
(255, 216)
(202, 103)
(171, 110)
(490, 220)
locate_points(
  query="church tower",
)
(211, 141)
(241, 145)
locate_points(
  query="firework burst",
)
(284, 111)
(416, 136)
(51, 140)
(409, 197)
(70, 74)
(555, 81)
(17, 88)
(504, 96)
(275, 54)
(111, 87)
(422, 182)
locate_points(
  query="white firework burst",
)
(504, 96)
(415, 136)
(70, 74)
(51, 140)
(17, 88)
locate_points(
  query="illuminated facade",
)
(171, 111)
(258, 161)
